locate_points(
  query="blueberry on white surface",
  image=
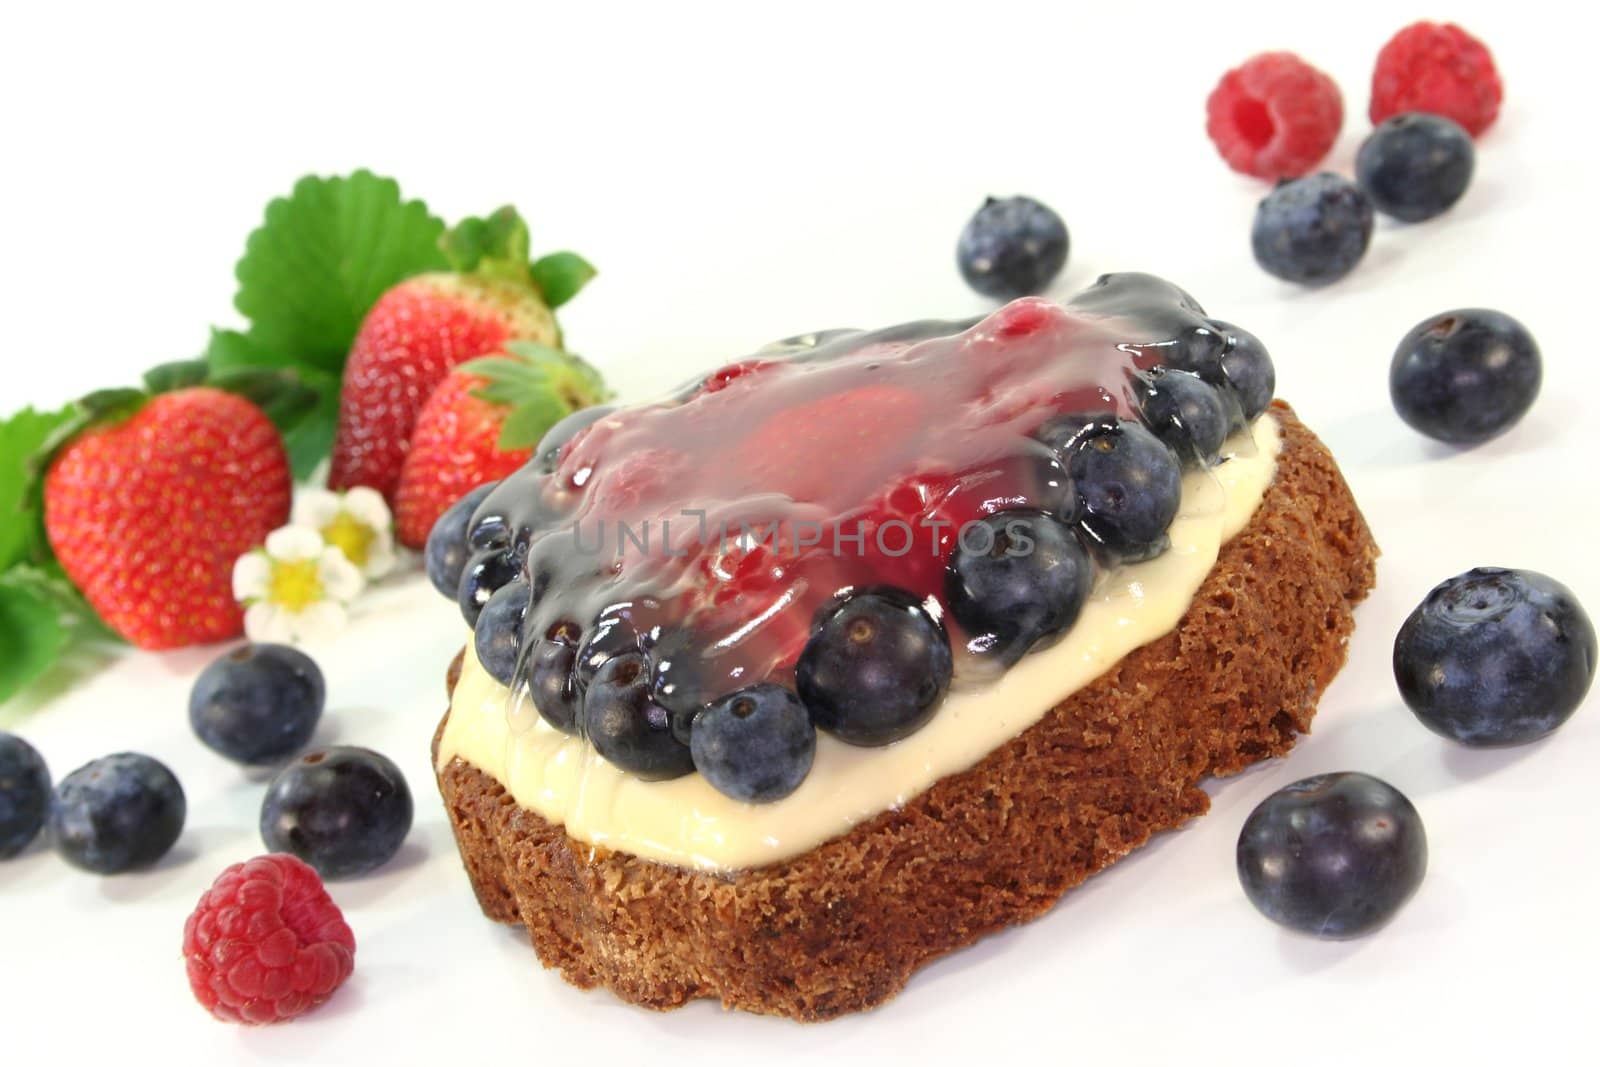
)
(1334, 856)
(1312, 230)
(1012, 247)
(1495, 657)
(343, 810)
(24, 794)
(1415, 166)
(1465, 376)
(755, 744)
(875, 669)
(258, 703)
(118, 813)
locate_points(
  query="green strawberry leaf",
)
(169, 377)
(321, 259)
(306, 413)
(560, 275)
(31, 632)
(497, 244)
(540, 385)
(22, 436)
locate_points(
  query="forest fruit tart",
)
(874, 643)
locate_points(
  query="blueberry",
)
(627, 726)
(1334, 856)
(547, 454)
(1415, 166)
(684, 678)
(1465, 376)
(875, 669)
(119, 813)
(1312, 230)
(754, 745)
(1246, 369)
(1129, 487)
(1186, 414)
(497, 637)
(551, 684)
(343, 810)
(611, 635)
(257, 704)
(1065, 433)
(446, 553)
(1016, 581)
(1495, 657)
(485, 575)
(24, 794)
(1012, 247)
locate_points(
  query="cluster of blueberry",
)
(343, 810)
(878, 658)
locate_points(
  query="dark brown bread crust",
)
(842, 927)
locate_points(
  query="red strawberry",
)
(425, 326)
(148, 514)
(481, 424)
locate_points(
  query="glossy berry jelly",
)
(678, 552)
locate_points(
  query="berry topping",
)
(627, 726)
(791, 520)
(1275, 116)
(548, 451)
(1495, 657)
(24, 794)
(1012, 247)
(483, 576)
(119, 813)
(344, 810)
(1334, 856)
(497, 637)
(1016, 582)
(1440, 69)
(1312, 230)
(755, 744)
(1415, 166)
(876, 669)
(1188, 415)
(1246, 369)
(1465, 376)
(446, 552)
(1129, 486)
(257, 704)
(266, 943)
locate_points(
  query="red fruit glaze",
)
(148, 515)
(1440, 69)
(1276, 116)
(453, 451)
(410, 340)
(790, 458)
(266, 943)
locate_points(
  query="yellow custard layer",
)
(687, 823)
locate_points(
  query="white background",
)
(748, 172)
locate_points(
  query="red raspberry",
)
(266, 942)
(1440, 69)
(1274, 117)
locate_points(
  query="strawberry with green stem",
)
(481, 423)
(425, 326)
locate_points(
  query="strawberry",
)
(425, 326)
(480, 424)
(149, 507)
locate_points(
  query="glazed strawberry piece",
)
(726, 537)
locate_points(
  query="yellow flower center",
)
(351, 536)
(294, 584)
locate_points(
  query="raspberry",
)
(1440, 69)
(266, 943)
(1274, 117)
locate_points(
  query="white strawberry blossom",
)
(296, 588)
(357, 522)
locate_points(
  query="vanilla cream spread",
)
(687, 823)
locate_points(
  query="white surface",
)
(747, 173)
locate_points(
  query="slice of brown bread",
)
(842, 927)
